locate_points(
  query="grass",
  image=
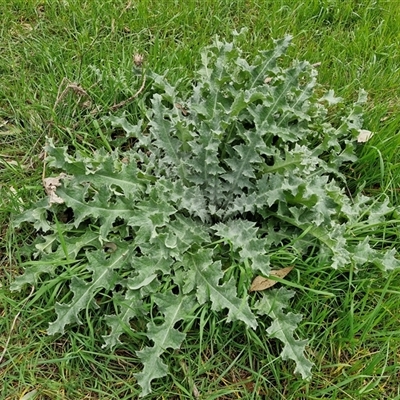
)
(46, 45)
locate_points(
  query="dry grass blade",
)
(71, 86)
(128, 100)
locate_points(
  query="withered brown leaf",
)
(260, 283)
(50, 186)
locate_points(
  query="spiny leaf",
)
(204, 276)
(103, 277)
(363, 254)
(161, 127)
(266, 62)
(100, 207)
(37, 215)
(242, 235)
(130, 306)
(50, 259)
(153, 368)
(242, 164)
(146, 269)
(283, 326)
(131, 131)
(150, 214)
(164, 336)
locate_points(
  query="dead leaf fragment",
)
(364, 136)
(110, 247)
(182, 109)
(260, 283)
(50, 186)
(138, 59)
(86, 104)
(196, 392)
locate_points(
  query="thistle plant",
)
(200, 197)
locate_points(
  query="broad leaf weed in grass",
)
(211, 188)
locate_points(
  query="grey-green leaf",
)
(283, 325)
(103, 277)
(205, 276)
(175, 308)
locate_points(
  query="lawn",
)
(66, 64)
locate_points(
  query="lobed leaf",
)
(130, 306)
(164, 336)
(272, 304)
(104, 276)
(204, 277)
